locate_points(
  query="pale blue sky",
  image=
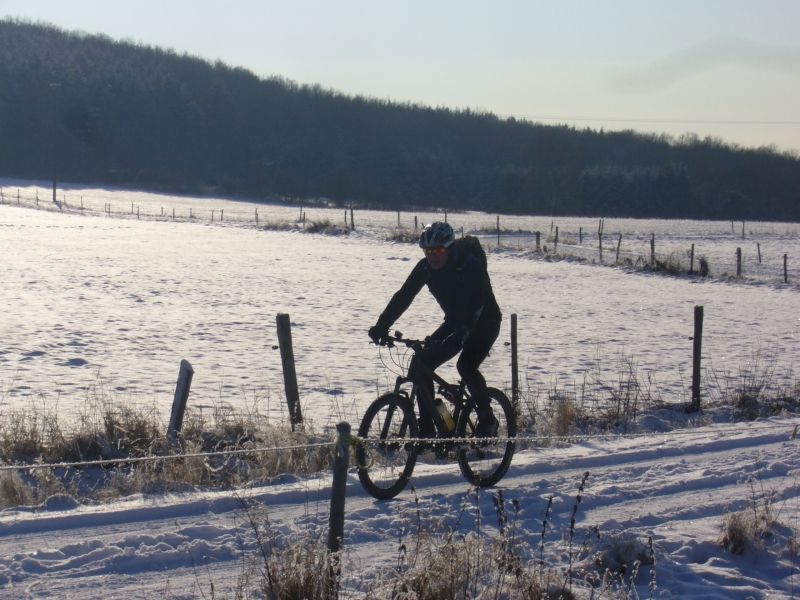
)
(727, 68)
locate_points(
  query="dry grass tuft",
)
(749, 527)
(325, 227)
(14, 491)
(296, 568)
(754, 391)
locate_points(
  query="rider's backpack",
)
(470, 245)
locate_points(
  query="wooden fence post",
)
(697, 352)
(580, 235)
(352, 221)
(600, 227)
(289, 373)
(652, 249)
(758, 246)
(256, 217)
(416, 224)
(341, 462)
(619, 243)
(179, 402)
(538, 241)
(398, 219)
(221, 214)
(600, 244)
(691, 261)
(514, 363)
(555, 247)
(738, 262)
(785, 269)
(498, 231)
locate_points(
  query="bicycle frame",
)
(455, 394)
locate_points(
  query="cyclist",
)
(460, 283)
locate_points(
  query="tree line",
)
(86, 108)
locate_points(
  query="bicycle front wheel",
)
(485, 462)
(386, 453)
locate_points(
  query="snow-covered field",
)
(93, 301)
(115, 303)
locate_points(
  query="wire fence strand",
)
(156, 458)
(355, 440)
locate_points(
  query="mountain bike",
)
(389, 443)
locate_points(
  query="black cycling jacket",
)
(462, 288)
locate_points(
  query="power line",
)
(661, 120)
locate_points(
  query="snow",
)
(92, 302)
(675, 488)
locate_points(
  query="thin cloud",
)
(704, 57)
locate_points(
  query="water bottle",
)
(444, 414)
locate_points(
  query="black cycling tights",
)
(444, 344)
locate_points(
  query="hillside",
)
(86, 108)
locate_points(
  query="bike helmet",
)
(437, 234)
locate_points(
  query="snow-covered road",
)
(674, 487)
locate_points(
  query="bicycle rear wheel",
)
(485, 462)
(384, 467)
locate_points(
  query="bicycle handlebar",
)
(397, 337)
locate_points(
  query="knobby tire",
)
(484, 463)
(385, 468)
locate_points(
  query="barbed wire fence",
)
(739, 256)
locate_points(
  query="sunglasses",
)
(437, 251)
